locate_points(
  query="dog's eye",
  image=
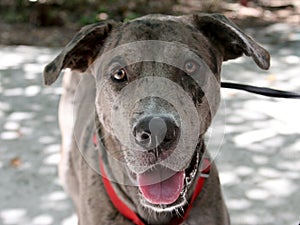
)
(119, 75)
(190, 67)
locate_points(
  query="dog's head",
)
(158, 88)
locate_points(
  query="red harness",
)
(130, 214)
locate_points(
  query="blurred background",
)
(258, 159)
(31, 22)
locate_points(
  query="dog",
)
(137, 103)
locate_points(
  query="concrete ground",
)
(258, 155)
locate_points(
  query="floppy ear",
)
(225, 34)
(80, 52)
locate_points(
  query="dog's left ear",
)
(80, 52)
(233, 42)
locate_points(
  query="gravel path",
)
(258, 159)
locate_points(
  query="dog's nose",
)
(156, 133)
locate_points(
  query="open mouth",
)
(163, 189)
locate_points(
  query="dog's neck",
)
(129, 194)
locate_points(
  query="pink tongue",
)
(161, 185)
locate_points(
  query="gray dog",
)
(134, 115)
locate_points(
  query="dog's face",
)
(143, 76)
(158, 88)
(151, 83)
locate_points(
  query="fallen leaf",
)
(15, 162)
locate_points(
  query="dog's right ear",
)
(80, 52)
(233, 42)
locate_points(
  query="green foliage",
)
(11, 16)
(131, 16)
(80, 12)
(88, 19)
(102, 9)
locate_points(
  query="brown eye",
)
(120, 75)
(190, 67)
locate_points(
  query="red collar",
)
(131, 215)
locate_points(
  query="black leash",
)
(261, 90)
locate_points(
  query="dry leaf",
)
(15, 162)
